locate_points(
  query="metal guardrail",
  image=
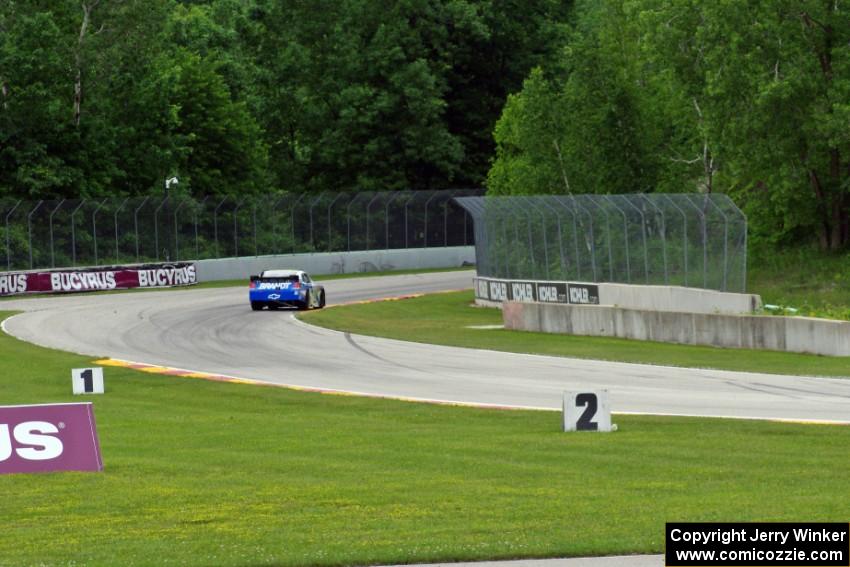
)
(92, 232)
(692, 240)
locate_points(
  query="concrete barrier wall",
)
(337, 262)
(678, 299)
(645, 297)
(792, 334)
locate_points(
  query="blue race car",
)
(285, 288)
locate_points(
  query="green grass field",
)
(206, 473)
(447, 318)
(814, 283)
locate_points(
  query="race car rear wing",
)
(258, 279)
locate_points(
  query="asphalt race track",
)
(214, 330)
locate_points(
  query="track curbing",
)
(215, 377)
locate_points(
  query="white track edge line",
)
(480, 405)
(3, 325)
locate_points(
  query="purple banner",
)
(48, 438)
(98, 279)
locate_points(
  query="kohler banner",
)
(98, 279)
(531, 291)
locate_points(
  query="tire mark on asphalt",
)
(761, 390)
(352, 342)
(803, 391)
(771, 389)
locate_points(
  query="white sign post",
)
(87, 380)
(587, 411)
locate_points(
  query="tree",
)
(744, 98)
(579, 127)
(370, 95)
(771, 79)
(529, 136)
(34, 119)
(355, 100)
(218, 145)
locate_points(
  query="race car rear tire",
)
(306, 303)
(256, 305)
(321, 299)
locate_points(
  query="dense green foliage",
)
(109, 97)
(748, 98)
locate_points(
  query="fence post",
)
(643, 234)
(156, 226)
(561, 244)
(368, 206)
(215, 225)
(115, 219)
(545, 240)
(465, 229)
(313, 204)
(52, 255)
(275, 239)
(530, 243)
(577, 260)
(348, 220)
(254, 220)
(176, 232)
(8, 245)
(684, 233)
(466, 216)
(292, 218)
(505, 218)
(94, 229)
(431, 198)
(592, 236)
(503, 222)
(483, 258)
(136, 225)
(29, 229)
(701, 214)
(236, 228)
(387, 219)
(725, 238)
(406, 230)
(446, 218)
(663, 235)
(625, 236)
(597, 205)
(744, 281)
(329, 218)
(74, 233)
(195, 219)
